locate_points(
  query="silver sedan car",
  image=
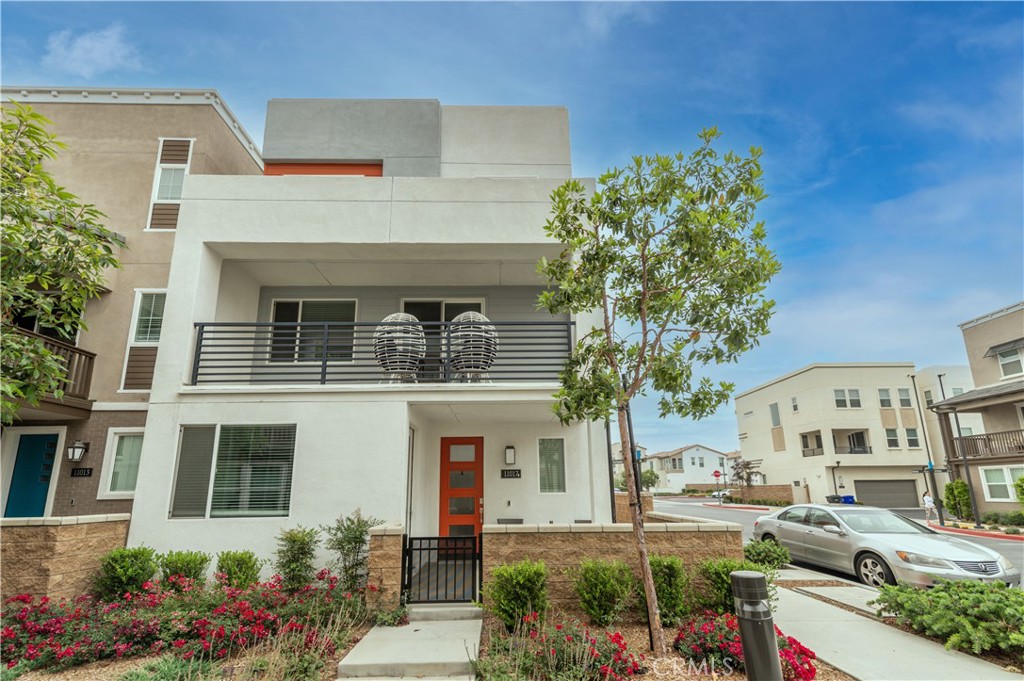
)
(880, 547)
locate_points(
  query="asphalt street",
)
(1014, 550)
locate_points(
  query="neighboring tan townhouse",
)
(358, 329)
(692, 465)
(995, 458)
(839, 430)
(128, 152)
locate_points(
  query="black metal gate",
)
(441, 569)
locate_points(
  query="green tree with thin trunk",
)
(667, 251)
(53, 259)
(649, 478)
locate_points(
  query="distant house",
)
(851, 429)
(995, 458)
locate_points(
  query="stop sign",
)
(717, 474)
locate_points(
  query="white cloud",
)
(91, 53)
(599, 18)
(999, 118)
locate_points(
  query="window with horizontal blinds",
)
(254, 471)
(192, 477)
(552, 465)
(313, 336)
(150, 318)
(126, 463)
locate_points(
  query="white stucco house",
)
(276, 401)
(680, 468)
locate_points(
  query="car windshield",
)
(879, 522)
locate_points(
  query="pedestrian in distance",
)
(929, 507)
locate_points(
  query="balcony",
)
(77, 381)
(813, 451)
(269, 353)
(990, 444)
(853, 449)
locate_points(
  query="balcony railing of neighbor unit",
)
(990, 444)
(78, 364)
(813, 451)
(379, 352)
(857, 449)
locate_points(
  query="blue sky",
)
(893, 133)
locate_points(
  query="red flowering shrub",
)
(537, 650)
(715, 639)
(175, 616)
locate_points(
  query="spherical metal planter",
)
(474, 346)
(399, 346)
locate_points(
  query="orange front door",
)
(462, 486)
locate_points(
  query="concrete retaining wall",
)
(56, 557)
(563, 547)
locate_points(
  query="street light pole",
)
(928, 451)
(963, 457)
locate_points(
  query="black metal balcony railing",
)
(856, 449)
(813, 451)
(343, 352)
(78, 364)
(990, 444)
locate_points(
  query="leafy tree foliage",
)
(668, 252)
(649, 478)
(53, 257)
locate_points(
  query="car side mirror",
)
(834, 529)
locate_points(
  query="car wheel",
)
(873, 571)
(769, 537)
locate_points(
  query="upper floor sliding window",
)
(174, 157)
(306, 332)
(1010, 363)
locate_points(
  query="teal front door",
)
(30, 481)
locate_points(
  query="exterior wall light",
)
(77, 450)
(510, 456)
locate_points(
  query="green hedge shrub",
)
(240, 568)
(1018, 487)
(293, 560)
(605, 588)
(516, 590)
(123, 571)
(716, 593)
(348, 539)
(768, 553)
(672, 584)
(190, 564)
(1013, 518)
(968, 615)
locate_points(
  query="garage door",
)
(887, 493)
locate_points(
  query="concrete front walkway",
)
(434, 645)
(869, 650)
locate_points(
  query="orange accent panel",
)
(364, 169)
(476, 492)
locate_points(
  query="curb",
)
(976, 533)
(738, 507)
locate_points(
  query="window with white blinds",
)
(552, 465)
(127, 453)
(251, 468)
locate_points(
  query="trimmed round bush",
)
(517, 590)
(124, 571)
(190, 564)
(605, 588)
(240, 568)
(768, 553)
(672, 585)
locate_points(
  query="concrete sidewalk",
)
(869, 650)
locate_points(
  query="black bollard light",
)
(757, 630)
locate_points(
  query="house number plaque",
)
(81, 472)
(511, 473)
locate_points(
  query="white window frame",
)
(774, 415)
(847, 398)
(796, 407)
(917, 436)
(900, 393)
(1019, 357)
(956, 392)
(136, 306)
(565, 467)
(928, 401)
(1006, 476)
(213, 473)
(300, 301)
(158, 171)
(887, 397)
(895, 436)
(109, 454)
